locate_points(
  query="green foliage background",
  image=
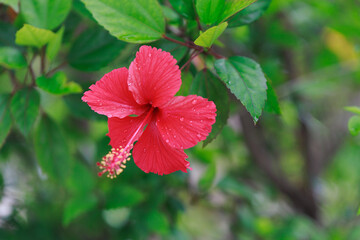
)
(289, 66)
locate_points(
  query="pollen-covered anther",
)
(114, 162)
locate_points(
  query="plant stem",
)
(43, 60)
(63, 64)
(192, 56)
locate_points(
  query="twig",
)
(192, 56)
(43, 60)
(63, 64)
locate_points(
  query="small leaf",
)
(25, 108)
(77, 206)
(157, 222)
(54, 45)
(94, 49)
(207, 38)
(354, 125)
(7, 34)
(32, 36)
(57, 84)
(139, 21)
(80, 180)
(353, 109)
(245, 79)
(46, 14)
(51, 150)
(208, 86)
(123, 196)
(5, 117)
(249, 14)
(11, 58)
(272, 103)
(208, 177)
(184, 7)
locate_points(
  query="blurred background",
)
(295, 175)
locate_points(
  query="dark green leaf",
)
(80, 109)
(184, 7)
(207, 38)
(249, 14)
(137, 21)
(80, 180)
(5, 117)
(209, 11)
(51, 150)
(216, 11)
(54, 45)
(12, 3)
(77, 206)
(46, 14)
(232, 186)
(157, 222)
(7, 34)
(245, 79)
(208, 177)
(208, 86)
(123, 196)
(354, 125)
(272, 103)
(94, 49)
(11, 58)
(32, 36)
(58, 84)
(176, 50)
(25, 109)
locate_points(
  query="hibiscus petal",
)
(152, 154)
(184, 121)
(154, 76)
(110, 96)
(122, 130)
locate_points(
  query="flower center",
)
(114, 162)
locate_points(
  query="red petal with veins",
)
(184, 121)
(110, 96)
(154, 76)
(122, 130)
(152, 154)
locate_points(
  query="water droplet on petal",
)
(167, 141)
(144, 150)
(194, 101)
(181, 119)
(199, 135)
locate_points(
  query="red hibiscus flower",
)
(141, 106)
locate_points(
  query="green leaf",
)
(45, 13)
(209, 11)
(184, 7)
(233, 6)
(216, 11)
(207, 38)
(245, 79)
(272, 103)
(81, 110)
(208, 177)
(80, 180)
(137, 21)
(11, 58)
(235, 187)
(58, 84)
(54, 45)
(25, 108)
(5, 117)
(208, 86)
(7, 34)
(51, 150)
(249, 14)
(354, 125)
(94, 49)
(32, 36)
(353, 109)
(157, 222)
(123, 196)
(77, 206)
